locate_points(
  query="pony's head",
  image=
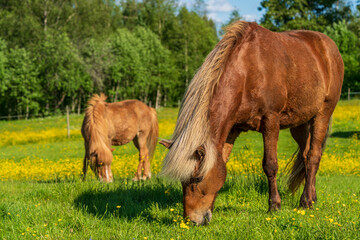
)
(200, 190)
(100, 164)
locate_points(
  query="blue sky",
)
(220, 10)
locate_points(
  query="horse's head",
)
(200, 191)
(100, 164)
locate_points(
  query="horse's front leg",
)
(234, 133)
(270, 129)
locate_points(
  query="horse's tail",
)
(297, 174)
(95, 129)
(153, 135)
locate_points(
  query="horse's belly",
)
(296, 115)
(123, 137)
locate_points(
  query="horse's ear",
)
(166, 143)
(199, 155)
(200, 152)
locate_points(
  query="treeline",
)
(57, 53)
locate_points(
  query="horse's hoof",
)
(306, 204)
(145, 177)
(136, 178)
(274, 207)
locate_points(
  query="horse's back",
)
(290, 73)
(128, 118)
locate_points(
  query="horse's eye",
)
(196, 180)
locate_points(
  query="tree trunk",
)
(73, 104)
(79, 105)
(46, 13)
(158, 98)
(57, 105)
(27, 112)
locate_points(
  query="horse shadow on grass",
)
(145, 200)
(346, 134)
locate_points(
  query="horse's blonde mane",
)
(95, 129)
(193, 127)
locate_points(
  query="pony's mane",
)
(95, 128)
(193, 127)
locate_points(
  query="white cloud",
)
(214, 17)
(219, 6)
(250, 17)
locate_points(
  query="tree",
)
(199, 8)
(159, 70)
(303, 14)
(61, 71)
(22, 92)
(198, 39)
(126, 69)
(348, 44)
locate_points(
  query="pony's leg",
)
(144, 162)
(85, 167)
(229, 144)
(270, 130)
(318, 131)
(144, 155)
(137, 176)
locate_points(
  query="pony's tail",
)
(297, 175)
(154, 131)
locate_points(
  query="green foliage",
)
(127, 49)
(348, 44)
(303, 14)
(23, 89)
(61, 71)
(3, 60)
(148, 50)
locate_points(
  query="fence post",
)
(348, 93)
(68, 121)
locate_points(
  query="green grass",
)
(72, 209)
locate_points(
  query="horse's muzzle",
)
(202, 219)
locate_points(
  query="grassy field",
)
(42, 196)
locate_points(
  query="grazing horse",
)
(118, 123)
(259, 80)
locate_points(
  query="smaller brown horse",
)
(107, 124)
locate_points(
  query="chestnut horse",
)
(118, 123)
(254, 79)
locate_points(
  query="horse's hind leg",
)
(144, 162)
(138, 173)
(301, 135)
(318, 131)
(270, 130)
